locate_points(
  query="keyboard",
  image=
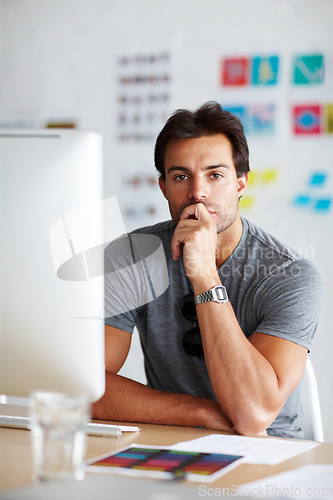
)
(91, 428)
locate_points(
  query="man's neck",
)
(227, 241)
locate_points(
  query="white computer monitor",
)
(51, 328)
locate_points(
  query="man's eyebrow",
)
(213, 167)
(179, 168)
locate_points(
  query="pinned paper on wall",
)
(328, 113)
(302, 200)
(265, 70)
(323, 204)
(316, 195)
(261, 119)
(243, 71)
(317, 205)
(235, 71)
(141, 200)
(144, 95)
(308, 69)
(261, 178)
(318, 179)
(312, 119)
(258, 119)
(247, 202)
(307, 119)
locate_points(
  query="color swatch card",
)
(165, 463)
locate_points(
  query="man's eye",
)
(181, 177)
(216, 175)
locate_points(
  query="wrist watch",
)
(215, 294)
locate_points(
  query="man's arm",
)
(129, 401)
(252, 378)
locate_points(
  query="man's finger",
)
(179, 238)
(196, 210)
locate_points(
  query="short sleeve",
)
(126, 321)
(288, 303)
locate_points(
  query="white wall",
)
(58, 60)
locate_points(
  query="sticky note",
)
(317, 179)
(247, 202)
(302, 200)
(269, 176)
(323, 204)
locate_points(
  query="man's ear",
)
(161, 183)
(242, 184)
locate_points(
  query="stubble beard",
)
(223, 222)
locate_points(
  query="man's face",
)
(202, 171)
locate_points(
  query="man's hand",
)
(196, 234)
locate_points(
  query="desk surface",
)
(16, 463)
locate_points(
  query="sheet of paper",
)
(309, 481)
(164, 463)
(268, 451)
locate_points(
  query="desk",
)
(16, 466)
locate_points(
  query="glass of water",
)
(58, 436)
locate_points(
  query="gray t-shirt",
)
(272, 289)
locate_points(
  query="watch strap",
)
(216, 294)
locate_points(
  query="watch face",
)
(219, 293)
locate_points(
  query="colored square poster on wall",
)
(265, 70)
(261, 119)
(308, 69)
(307, 119)
(329, 118)
(235, 71)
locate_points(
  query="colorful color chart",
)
(165, 463)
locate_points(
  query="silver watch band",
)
(215, 294)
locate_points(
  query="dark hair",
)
(209, 119)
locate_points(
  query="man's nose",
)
(198, 190)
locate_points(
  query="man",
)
(233, 360)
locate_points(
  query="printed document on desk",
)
(310, 481)
(265, 450)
